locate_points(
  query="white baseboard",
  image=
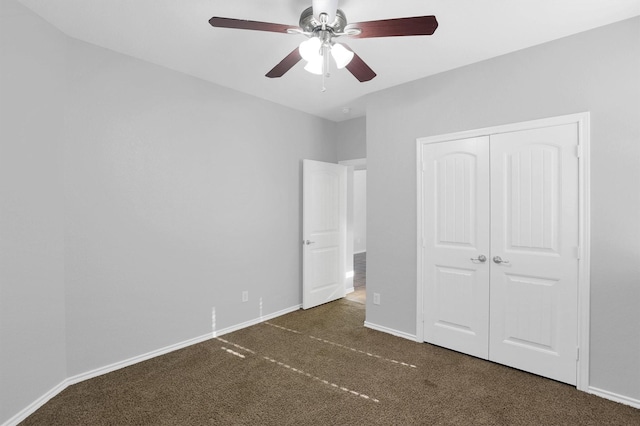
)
(134, 360)
(165, 350)
(31, 408)
(350, 290)
(635, 403)
(257, 321)
(391, 331)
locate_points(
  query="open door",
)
(324, 231)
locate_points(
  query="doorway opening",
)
(356, 229)
(359, 293)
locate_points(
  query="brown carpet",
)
(321, 367)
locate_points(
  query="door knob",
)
(307, 242)
(498, 259)
(481, 258)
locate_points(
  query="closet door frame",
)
(584, 283)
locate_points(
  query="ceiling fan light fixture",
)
(341, 55)
(310, 49)
(321, 23)
(315, 66)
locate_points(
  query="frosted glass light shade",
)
(341, 55)
(310, 49)
(315, 66)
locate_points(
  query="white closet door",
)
(534, 230)
(456, 230)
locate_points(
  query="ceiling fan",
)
(322, 24)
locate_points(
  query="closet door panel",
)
(456, 216)
(534, 239)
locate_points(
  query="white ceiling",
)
(176, 34)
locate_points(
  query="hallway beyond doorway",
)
(359, 278)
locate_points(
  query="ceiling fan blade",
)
(285, 65)
(359, 68)
(243, 24)
(418, 25)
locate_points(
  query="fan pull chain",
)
(325, 65)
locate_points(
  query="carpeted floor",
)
(322, 367)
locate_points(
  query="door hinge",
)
(578, 151)
(577, 354)
(578, 252)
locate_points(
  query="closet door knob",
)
(481, 258)
(498, 259)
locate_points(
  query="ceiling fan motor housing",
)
(311, 24)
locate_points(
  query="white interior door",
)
(324, 232)
(456, 231)
(534, 230)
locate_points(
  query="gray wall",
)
(596, 71)
(179, 195)
(351, 137)
(135, 199)
(32, 305)
(359, 211)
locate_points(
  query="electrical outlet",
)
(245, 296)
(376, 298)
